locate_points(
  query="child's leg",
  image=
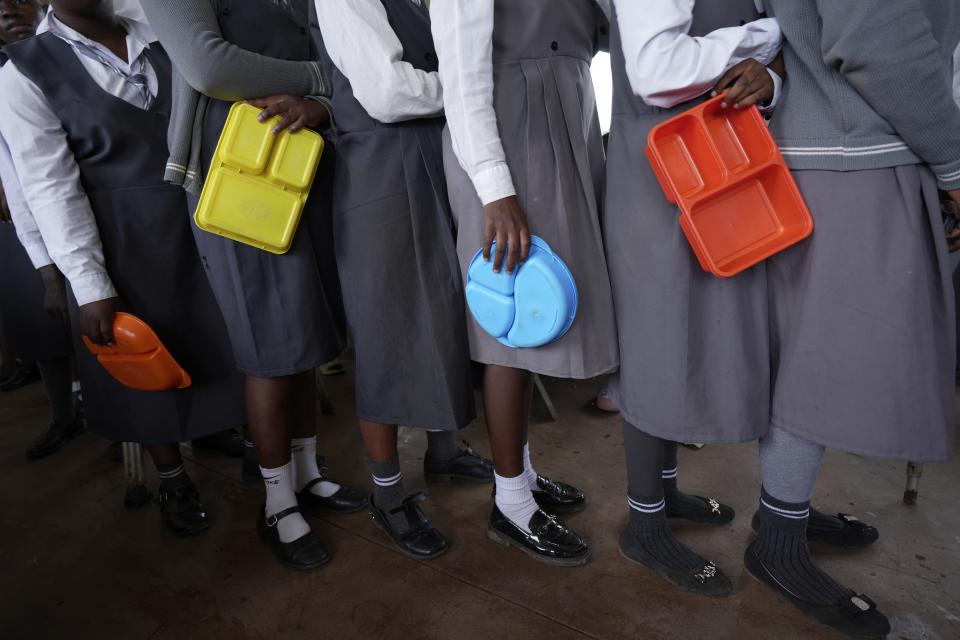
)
(393, 507)
(648, 539)
(57, 378)
(179, 501)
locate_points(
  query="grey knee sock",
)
(789, 465)
(441, 445)
(58, 380)
(389, 490)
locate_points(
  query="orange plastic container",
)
(137, 358)
(738, 202)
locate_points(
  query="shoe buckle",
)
(709, 571)
(860, 603)
(714, 505)
(272, 520)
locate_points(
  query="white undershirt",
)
(55, 201)
(362, 44)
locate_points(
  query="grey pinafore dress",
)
(694, 349)
(31, 333)
(395, 250)
(283, 312)
(842, 339)
(143, 224)
(546, 108)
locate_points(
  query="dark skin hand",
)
(745, 84)
(507, 224)
(96, 320)
(953, 238)
(295, 113)
(55, 294)
(4, 209)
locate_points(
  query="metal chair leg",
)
(914, 472)
(542, 404)
(136, 491)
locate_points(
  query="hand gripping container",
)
(533, 306)
(137, 358)
(258, 182)
(738, 202)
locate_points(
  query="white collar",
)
(139, 36)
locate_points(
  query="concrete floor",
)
(76, 564)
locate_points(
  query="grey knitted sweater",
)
(869, 85)
(207, 66)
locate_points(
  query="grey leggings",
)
(789, 465)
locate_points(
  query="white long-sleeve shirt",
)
(362, 44)
(463, 35)
(27, 231)
(47, 169)
(667, 66)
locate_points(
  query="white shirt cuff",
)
(777, 89)
(93, 287)
(37, 252)
(494, 183)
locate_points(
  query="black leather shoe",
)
(853, 533)
(420, 539)
(306, 552)
(705, 580)
(228, 442)
(22, 374)
(557, 497)
(467, 464)
(549, 540)
(855, 616)
(345, 500)
(183, 511)
(53, 440)
(700, 509)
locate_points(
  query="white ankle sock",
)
(515, 500)
(528, 471)
(303, 455)
(280, 496)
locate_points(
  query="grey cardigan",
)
(869, 85)
(207, 66)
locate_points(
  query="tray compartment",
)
(247, 142)
(747, 222)
(739, 136)
(686, 156)
(244, 208)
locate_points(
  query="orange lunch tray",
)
(137, 358)
(738, 202)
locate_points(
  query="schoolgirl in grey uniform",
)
(524, 155)
(281, 311)
(91, 177)
(837, 332)
(395, 248)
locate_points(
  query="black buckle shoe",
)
(53, 439)
(549, 540)
(20, 375)
(705, 580)
(558, 497)
(467, 464)
(182, 510)
(852, 534)
(420, 540)
(856, 615)
(709, 511)
(306, 552)
(345, 500)
(228, 442)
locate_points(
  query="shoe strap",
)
(315, 482)
(280, 515)
(416, 521)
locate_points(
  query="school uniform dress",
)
(523, 121)
(694, 348)
(115, 228)
(393, 229)
(283, 312)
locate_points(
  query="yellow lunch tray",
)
(258, 182)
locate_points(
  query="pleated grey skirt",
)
(846, 339)
(552, 140)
